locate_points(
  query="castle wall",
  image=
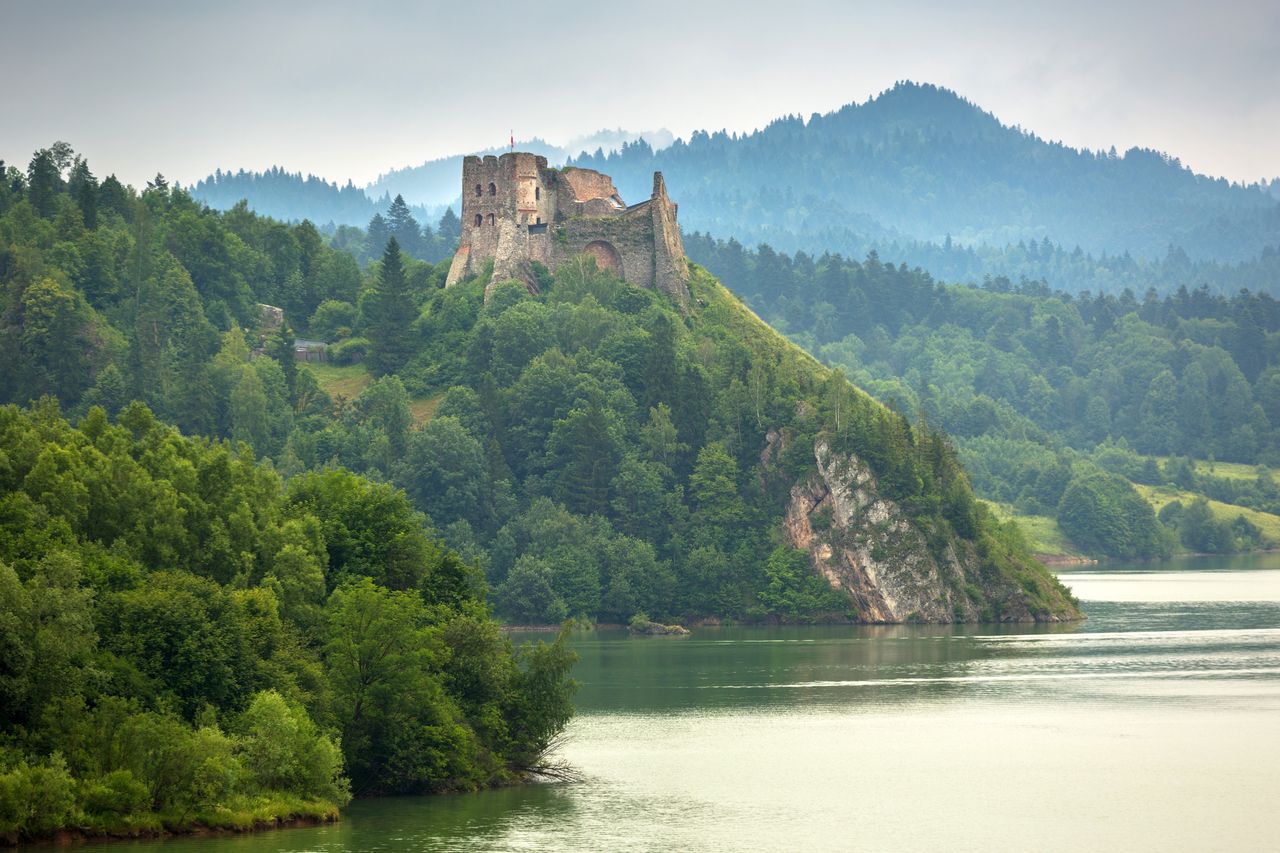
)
(587, 184)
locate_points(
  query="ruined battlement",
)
(517, 210)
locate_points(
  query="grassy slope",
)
(350, 379)
(1042, 532)
(346, 381)
(1225, 470)
(1048, 540)
(1158, 496)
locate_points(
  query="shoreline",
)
(68, 836)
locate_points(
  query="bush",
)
(333, 320)
(1104, 514)
(350, 351)
(284, 751)
(36, 799)
(117, 793)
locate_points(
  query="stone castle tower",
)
(517, 210)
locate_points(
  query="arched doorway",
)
(607, 257)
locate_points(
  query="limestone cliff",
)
(866, 546)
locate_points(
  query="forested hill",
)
(1040, 389)
(919, 172)
(598, 450)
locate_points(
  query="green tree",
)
(445, 472)
(401, 732)
(392, 315)
(1104, 514)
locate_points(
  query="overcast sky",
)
(349, 90)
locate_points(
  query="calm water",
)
(1153, 726)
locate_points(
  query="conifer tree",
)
(84, 189)
(376, 234)
(403, 226)
(43, 182)
(280, 347)
(390, 338)
(449, 228)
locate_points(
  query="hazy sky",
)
(349, 90)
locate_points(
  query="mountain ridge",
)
(921, 174)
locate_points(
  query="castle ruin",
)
(516, 210)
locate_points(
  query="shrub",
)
(350, 351)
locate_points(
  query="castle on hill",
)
(517, 210)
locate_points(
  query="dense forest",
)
(185, 637)
(595, 449)
(1029, 382)
(921, 175)
(341, 211)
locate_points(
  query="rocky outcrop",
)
(863, 544)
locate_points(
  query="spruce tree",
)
(377, 233)
(280, 347)
(449, 228)
(84, 189)
(403, 226)
(390, 338)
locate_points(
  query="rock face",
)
(865, 546)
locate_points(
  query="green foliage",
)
(390, 313)
(794, 591)
(184, 640)
(1104, 514)
(349, 351)
(333, 320)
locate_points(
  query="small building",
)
(305, 350)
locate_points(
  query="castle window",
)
(490, 218)
(479, 191)
(493, 188)
(537, 193)
(479, 220)
(539, 222)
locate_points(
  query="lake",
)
(1155, 725)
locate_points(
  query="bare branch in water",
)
(547, 766)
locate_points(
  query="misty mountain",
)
(922, 175)
(291, 197)
(917, 174)
(429, 187)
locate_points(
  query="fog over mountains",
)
(918, 174)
